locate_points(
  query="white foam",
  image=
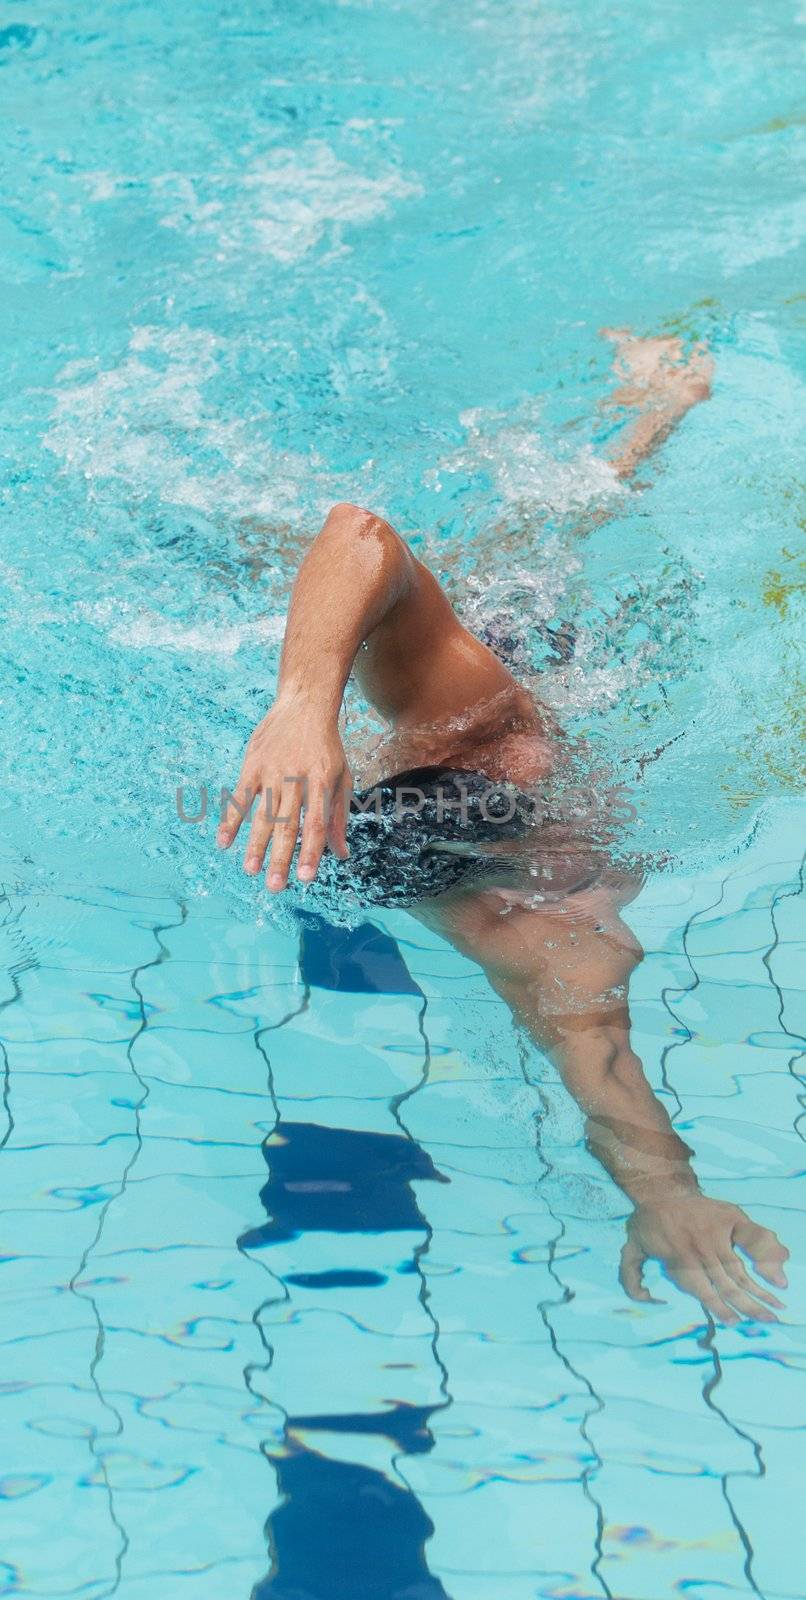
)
(147, 421)
(535, 56)
(776, 232)
(102, 185)
(526, 471)
(285, 204)
(147, 630)
(531, 594)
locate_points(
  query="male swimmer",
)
(458, 836)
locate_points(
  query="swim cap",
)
(425, 831)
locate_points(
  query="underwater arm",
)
(564, 972)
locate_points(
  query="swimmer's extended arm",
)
(359, 585)
(564, 974)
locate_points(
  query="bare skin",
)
(658, 386)
(363, 603)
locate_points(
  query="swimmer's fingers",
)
(260, 832)
(235, 807)
(313, 834)
(284, 834)
(749, 1304)
(735, 1270)
(694, 1280)
(325, 822)
(336, 814)
(631, 1272)
(764, 1248)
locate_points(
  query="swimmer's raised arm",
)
(355, 573)
(359, 585)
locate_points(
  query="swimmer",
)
(535, 901)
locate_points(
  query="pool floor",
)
(318, 1290)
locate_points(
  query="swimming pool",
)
(309, 1280)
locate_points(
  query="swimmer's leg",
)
(660, 383)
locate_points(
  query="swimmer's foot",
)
(659, 384)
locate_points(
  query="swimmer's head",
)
(426, 831)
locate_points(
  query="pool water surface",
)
(309, 1280)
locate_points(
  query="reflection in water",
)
(347, 1532)
(336, 1180)
(344, 1530)
(361, 960)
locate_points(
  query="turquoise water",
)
(257, 259)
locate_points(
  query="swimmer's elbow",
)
(344, 513)
(354, 531)
(349, 521)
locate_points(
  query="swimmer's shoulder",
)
(523, 748)
(525, 759)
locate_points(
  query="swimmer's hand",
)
(296, 773)
(697, 1241)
